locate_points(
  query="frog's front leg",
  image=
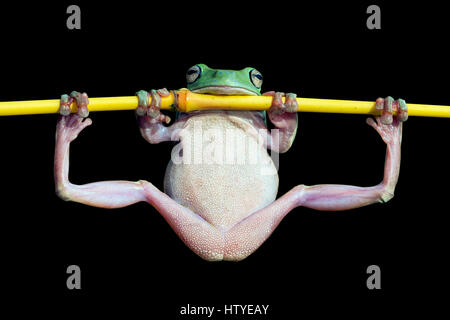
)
(285, 119)
(151, 120)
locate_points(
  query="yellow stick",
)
(188, 101)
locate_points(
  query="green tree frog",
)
(220, 186)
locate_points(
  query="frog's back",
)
(224, 174)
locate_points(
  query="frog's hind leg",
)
(212, 243)
(247, 235)
(242, 239)
(198, 234)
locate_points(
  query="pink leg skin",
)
(239, 241)
(112, 194)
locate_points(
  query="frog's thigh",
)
(246, 236)
(211, 243)
(203, 238)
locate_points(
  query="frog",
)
(224, 211)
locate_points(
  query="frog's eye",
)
(193, 74)
(256, 78)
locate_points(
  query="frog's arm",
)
(156, 132)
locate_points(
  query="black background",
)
(130, 259)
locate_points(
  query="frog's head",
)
(202, 79)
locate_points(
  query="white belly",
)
(224, 174)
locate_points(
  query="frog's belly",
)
(223, 193)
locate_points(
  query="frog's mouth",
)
(225, 90)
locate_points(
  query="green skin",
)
(218, 81)
(245, 231)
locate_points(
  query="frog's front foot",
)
(152, 112)
(388, 126)
(290, 104)
(82, 103)
(284, 117)
(71, 124)
(151, 120)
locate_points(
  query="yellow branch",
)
(188, 101)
